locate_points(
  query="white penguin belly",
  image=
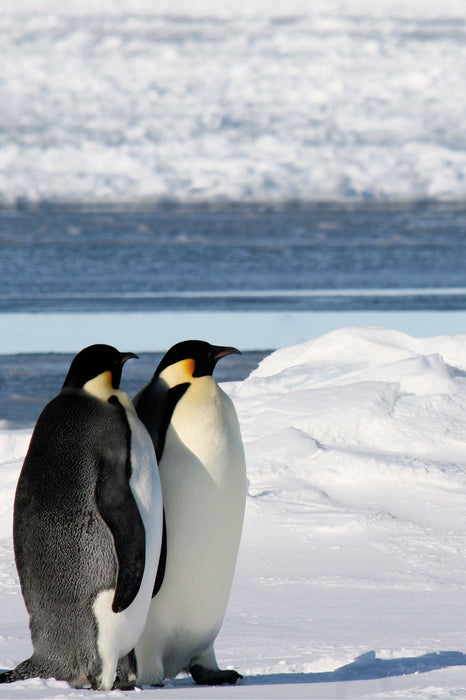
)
(204, 488)
(119, 632)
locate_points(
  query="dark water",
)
(73, 259)
(58, 259)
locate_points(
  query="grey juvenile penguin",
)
(195, 431)
(87, 528)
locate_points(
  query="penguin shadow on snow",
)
(366, 667)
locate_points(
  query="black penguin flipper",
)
(162, 561)
(173, 396)
(154, 406)
(118, 508)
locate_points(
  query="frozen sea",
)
(251, 101)
(253, 277)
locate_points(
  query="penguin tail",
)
(8, 677)
(26, 669)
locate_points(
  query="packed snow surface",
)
(351, 580)
(247, 101)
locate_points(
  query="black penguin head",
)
(200, 357)
(94, 361)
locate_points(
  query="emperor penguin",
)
(197, 439)
(87, 529)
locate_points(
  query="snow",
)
(248, 101)
(352, 571)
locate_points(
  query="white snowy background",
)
(251, 100)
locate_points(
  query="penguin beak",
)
(223, 352)
(124, 356)
(116, 374)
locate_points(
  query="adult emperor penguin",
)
(87, 528)
(195, 431)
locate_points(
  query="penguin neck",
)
(178, 373)
(101, 388)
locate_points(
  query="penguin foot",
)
(124, 685)
(127, 672)
(204, 676)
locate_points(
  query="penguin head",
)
(193, 358)
(97, 361)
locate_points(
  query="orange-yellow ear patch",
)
(107, 377)
(179, 373)
(189, 366)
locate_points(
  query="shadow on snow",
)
(367, 667)
(363, 668)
